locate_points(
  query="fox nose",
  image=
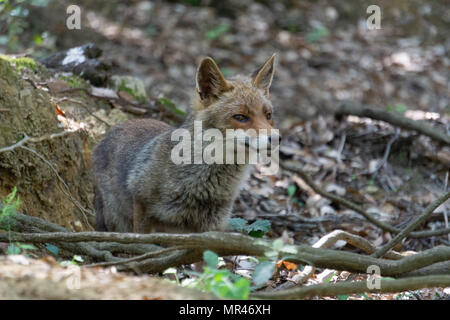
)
(275, 137)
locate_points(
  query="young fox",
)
(138, 188)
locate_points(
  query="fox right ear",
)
(210, 81)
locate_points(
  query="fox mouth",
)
(268, 150)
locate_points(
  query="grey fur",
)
(176, 198)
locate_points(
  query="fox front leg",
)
(138, 217)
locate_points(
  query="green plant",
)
(14, 17)
(20, 63)
(221, 282)
(291, 190)
(218, 31)
(170, 105)
(397, 107)
(74, 261)
(18, 248)
(257, 229)
(317, 34)
(9, 207)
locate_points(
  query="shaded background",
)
(325, 51)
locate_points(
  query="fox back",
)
(138, 188)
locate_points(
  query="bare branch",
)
(412, 225)
(346, 203)
(27, 139)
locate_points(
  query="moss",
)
(20, 63)
(74, 81)
(6, 70)
(132, 86)
(132, 92)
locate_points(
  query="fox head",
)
(241, 102)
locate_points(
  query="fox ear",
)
(210, 81)
(262, 78)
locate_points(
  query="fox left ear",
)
(210, 81)
(262, 78)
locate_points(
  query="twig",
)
(84, 107)
(358, 209)
(387, 152)
(27, 139)
(334, 289)
(144, 256)
(341, 148)
(445, 209)
(353, 108)
(412, 225)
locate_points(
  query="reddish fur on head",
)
(220, 103)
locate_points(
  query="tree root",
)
(341, 288)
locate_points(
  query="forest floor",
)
(324, 55)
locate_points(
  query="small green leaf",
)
(291, 190)
(169, 104)
(241, 289)
(263, 272)
(238, 224)
(78, 258)
(25, 246)
(13, 249)
(343, 297)
(52, 249)
(317, 34)
(211, 258)
(263, 225)
(258, 228)
(218, 31)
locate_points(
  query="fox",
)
(137, 186)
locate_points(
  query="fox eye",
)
(241, 118)
(269, 116)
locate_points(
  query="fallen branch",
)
(96, 251)
(355, 109)
(340, 288)
(237, 244)
(412, 225)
